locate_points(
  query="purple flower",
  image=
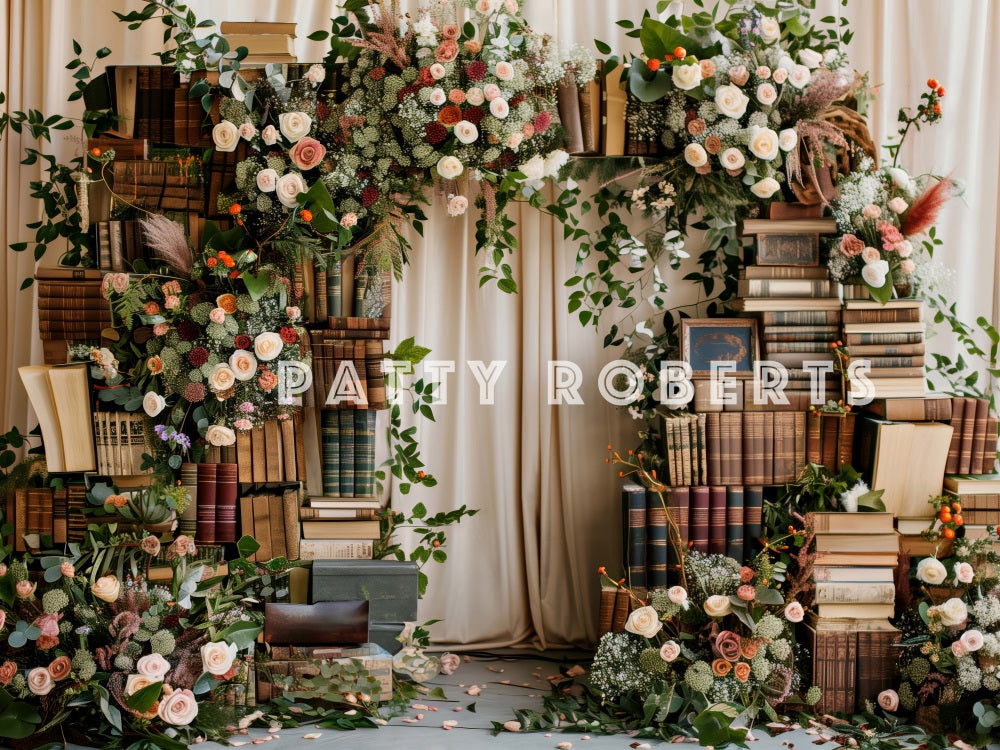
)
(181, 439)
(161, 431)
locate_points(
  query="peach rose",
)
(871, 255)
(446, 51)
(153, 666)
(504, 70)
(222, 378)
(67, 569)
(707, 68)
(851, 245)
(7, 671)
(794, 612)
(644, 621)
(269, 135)
(307, 153)
(888, 700)
(150, 545)
(721, 667)
(226, 136)
(669, 651)
(136, 682)
(739, 75)
(243, 364)
(106, 588)
(60, 668)
(267, 346)
(160, 329)
(40, 682)
(742, 671)
(179, 708)
(450, 31)
(217, 657)
(267, 180)
(24, 589)
(217, 315)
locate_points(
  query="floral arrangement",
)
(220, 336)
(950, 663)
(90, 645)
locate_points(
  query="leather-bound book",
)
(634, 532)
(753, 507)
(207, 479)
(845, 440)
(814, 438)
(831, 429)
(226, 491)
(656, 553)
(700, 502)
(713, 439)
(734, 522)
(717, 520)
(955, 448)
(968, 435)
(979, 435)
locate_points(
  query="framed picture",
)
(707, 340)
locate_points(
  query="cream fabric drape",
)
(524, 568)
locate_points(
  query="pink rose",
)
(727, 645)
(437, 71)
(499, 108)
(971, 640)
(747, 593)
(67, 569)
(307, 153)
(269, 135)
(888, 700)
(450, 663)
(779, 76)
(958, 649)
(40, 682)
(446, 51)
(871, 211)
(504, 71)
(907, 267)
(293, 313)
(763, 72)
(739, 75)
(171, 301)
(49, 625)
(349, 219)
(160, 329)
(491, 91)
(964, 573)
(179, 708)
(456, 96)
(218, 315)
(707, 68)
(119, 282)
(851, 245)
(891, 235)
(510, 5)
(794, 612)
(450, 31)
(438, 97)
(24, 589)
(150, 545)
(870, 255)
(247, 131)
(243, 424)
(897, 205)
(669, 651)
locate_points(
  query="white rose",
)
(731, 101)
(964, 573)
(770, 29)
(930, 570)
(153, 403)
(457, 205)
(153, 666)
(534, 168)
(799, 76)
(450, 167)
(717, 606)
(217, 658)
(288, 188)
(766, 94)
(269, 135)
(106, 588)
(875, 273)
(219, 435)
(765, 188)
(763, 143)
(438, 97)
(316, 73)
(475, 96)
(437, 71)
(294, 125)
(897, 205)
(247, 131)
(810, 58)
(267, 346)
(515, 140)
(899, 177)
(179, 708)
(788, 139)
(226, 136)
(554, 161)
(953, 612)
(222, 378)
(779, 76)
(466, 132)
(40, 682)
(644, 621)
(499, 108)
(687, 77)
(136, 682)
(695, 155)
(244, 364)
(677, 595)
(267, 180)
(732, 158)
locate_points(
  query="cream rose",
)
(179, 708)
(695, 155)
(504, 71)
(136, 682)
(534, 168)
(779, 76)
(450, 167)
(267, 346)
(739, 75)
(875, 273)
(766, 94)
(438, 97)
(40, 682)
(437, 71)
(731, 101)
(788, 139)
(953, 612)
(810, 58)
(316, 73)
(288, 188)
(499, 108)
(269, 135)
(765, 188)
(770, 29)
(466, 132)
(964, 573)
(153, 666)
(972, 640)
(794, 612)
(732, 158)
(515, 140)
(717, 606)
(267, 179)
(475, 96)
(217, 658)
(763, 143)
(294, 125)
(247, 131)
(799, 76)
(931, 571)
(644, 621)
(153, 403)
(106, 588)
(222, 378)
(897, 205)
(226, 136)
(870, 255)
(669, 651)
(458, 205)
(219, 435)
(687, 77)
(243, 364)
(888, 700)
(678, 595)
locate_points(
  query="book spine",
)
(845, 440)
(850, 339)
(734, 522)
(331, 452)
(831, 430)
(606, 610)
(955, 447)
(346, 435)
(979, 435)
(622, 608)
(717, 520)
(334, 291)
(225, 502)
(888, 362)
(700, 505)
(188, 522)
(898, 315)
(753, 508)
(634, 512)
(801, 317)
(337, 549)
(207, 478)
(364, 452)
(968, 436)
(751, 437)
(990, 445)
(649, 506)
(262, 526)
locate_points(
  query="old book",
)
(855, 559)
(246, 520)
(752, 442)
(272, 451)
(258, 447)
(207, 490)
(854, 593)
(883, 328)
(685, 449)
(753, 511)
(634, 527)
(700, 509)
(606, 609)
(798, 423)
(345, 421)
(979, 435)
(955, 447)
(623, 605)
(679, 510)
(331, 452)
(655, 539)
(930, 409)
(226, 491)
(731, 425)
(589, 94)
(830, 650)
(858, 611)
(815, 273)
(262, 526)
(829, 317)
(187, 524)
(765, 448)
(717, 520)
(860, 574)
(882, 339)
(785, 288)
(334, 502)
(783, 461)
(780, 304)
(340, 530)
(877, 665)
(377, 398)
(60, 396)
(967, 484)
(845, 440)
(289, 472)
(788, 226)
(713, 439)
(734, 523)
(335, 549)
(298, 423)
(968, 435)
(852, 523)
(990, 445)
(320, 624)
(364, 452)
(20, 518)
(227, 28)
(701, 470)
(831, 430)
(613, 105)
(244, 456)
(346, 513)
(276, 524)
(568, 100)
(855, 542)
(897, 315)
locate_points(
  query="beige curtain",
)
(523, 570)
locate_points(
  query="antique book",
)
(606, 609)
(613, 104)
(679, 509)
(320, 624)
(855, 559)
(858, 611)
(340, 530)
(258, 444)
(753, 509)
(290, 512)
(828, 592)
(852, 523)
(731, 427)
(990, 445)
(800, 317)
(244, 456)
(967, 484)
(955, 447)
(227, 28)
(655, 553)
(713, 449)
(855, 542)
(882, 339)
(788, 226)
(717, 520)
(207, 491)
(188, 522)
(60, 396)
(980, 421)
(568, 100)
(831, 650)
(930, 409)
(331, 452)
(634, 526)
(785, 288)
(831, 431)
(816, 273)
(345, 420)
(969, 414)
(700, 505)
(734, 523)
(226, 491)
(346, 513)
(364, 452)
(877, 665)
(335, 549)
(860, 574)
(261, 508)
(623, 605)
(778, 304)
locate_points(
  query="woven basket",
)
(855, 129)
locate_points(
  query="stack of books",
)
(339, 528)
(349, 368)
(120, 442)
(70, 308)
(215, 502)
(266, 42)
(160, 185)
(890, 338)
(272, 452)
(973, 447)
(271, 518)
(143, 98)
(849, 634)
(755, 447)
(979, 495)
(579, 105)
(830, 438)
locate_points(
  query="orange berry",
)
(680, 52)
(958, 520)
(957, 507)
(932, 83)
(95, 151)
(421, 475)
(937, 109)
(306, 214)
(235, 209)
(437, 543)
(945, 516)
(941, 90)
(212, 262)
(234, 274)
(621, 474)
(654, 473)
(948, 533)
(653, 64)
(602, 570)
(669, 58)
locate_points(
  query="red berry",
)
(941, 90)
(653, 64)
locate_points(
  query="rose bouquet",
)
(950, 666)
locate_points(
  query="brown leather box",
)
(321, 624)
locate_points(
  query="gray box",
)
(384, 634)
(389, 586)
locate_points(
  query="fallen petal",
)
(312, 736)
(564, 745)
(456, 709)
(576, 670)
(474, 690)
(449, 723)
(419, 707)
(512, 726)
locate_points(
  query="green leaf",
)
(142, 700)
(318, 36)
(241, 633)
(603, 47)
(647, 85)
(204, 683)
(246, 546)
(658, 39)
(257, 284)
